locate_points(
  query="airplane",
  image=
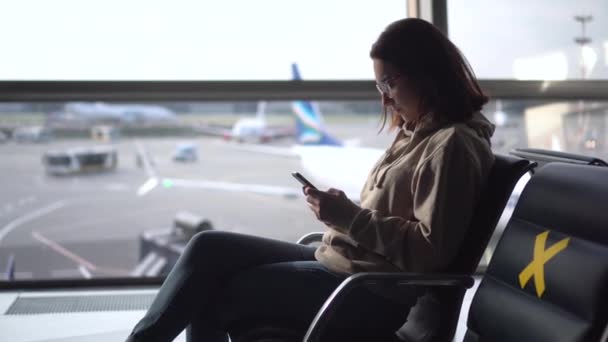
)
(309, 125)
(122, 113)
(250, 129)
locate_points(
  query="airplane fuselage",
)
(341, 167)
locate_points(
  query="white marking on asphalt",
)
(152, 181)
(85, 272)
(148, 186)
(143, 154)
(30, 217)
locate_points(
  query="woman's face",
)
(397, 94)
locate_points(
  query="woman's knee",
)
(206, 243)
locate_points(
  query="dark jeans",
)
(223, 279)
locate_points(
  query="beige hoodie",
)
(417, 202)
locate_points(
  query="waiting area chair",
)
(443, 303)
(548, 278)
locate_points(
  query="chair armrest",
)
(309, 238)
(378, 282)
(546, 156)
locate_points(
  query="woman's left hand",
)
(332, 207)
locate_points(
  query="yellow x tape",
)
(541, 256)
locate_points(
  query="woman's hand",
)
(332, 207)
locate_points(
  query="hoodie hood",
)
(410, 137)
(481, 125)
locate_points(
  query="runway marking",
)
(63, 251)
(85, 272)
(83, 264)
(145, 160)
(148, 186)
(30, 217)
(152, 181)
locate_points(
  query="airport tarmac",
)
(88, 225)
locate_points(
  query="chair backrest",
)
(548, 277)
(505, 173)
(444, 305)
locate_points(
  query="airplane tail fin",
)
(295, 72)
(310, 129)
(261, 111)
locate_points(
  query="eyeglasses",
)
(385, 86)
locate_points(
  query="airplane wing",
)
(214, 130)
(226, 132)
(260, 189)
(279, 132)
(233, 187)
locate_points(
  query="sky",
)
(259, 39)
(529, 39)
(191, 39)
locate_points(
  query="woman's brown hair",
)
(434, 67)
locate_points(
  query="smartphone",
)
(301, 179)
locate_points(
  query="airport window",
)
(190, 40)
(81, 179)
(107, 188)
(579, 127)
(541, 40)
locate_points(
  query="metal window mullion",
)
(434, 11)
(546, 90)
(186, 91)
(277, 91)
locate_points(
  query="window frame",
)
(132, 91)
(138, 91)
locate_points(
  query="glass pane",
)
(190, 39)
(569, 126)
(541, 39)
(95, 189)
